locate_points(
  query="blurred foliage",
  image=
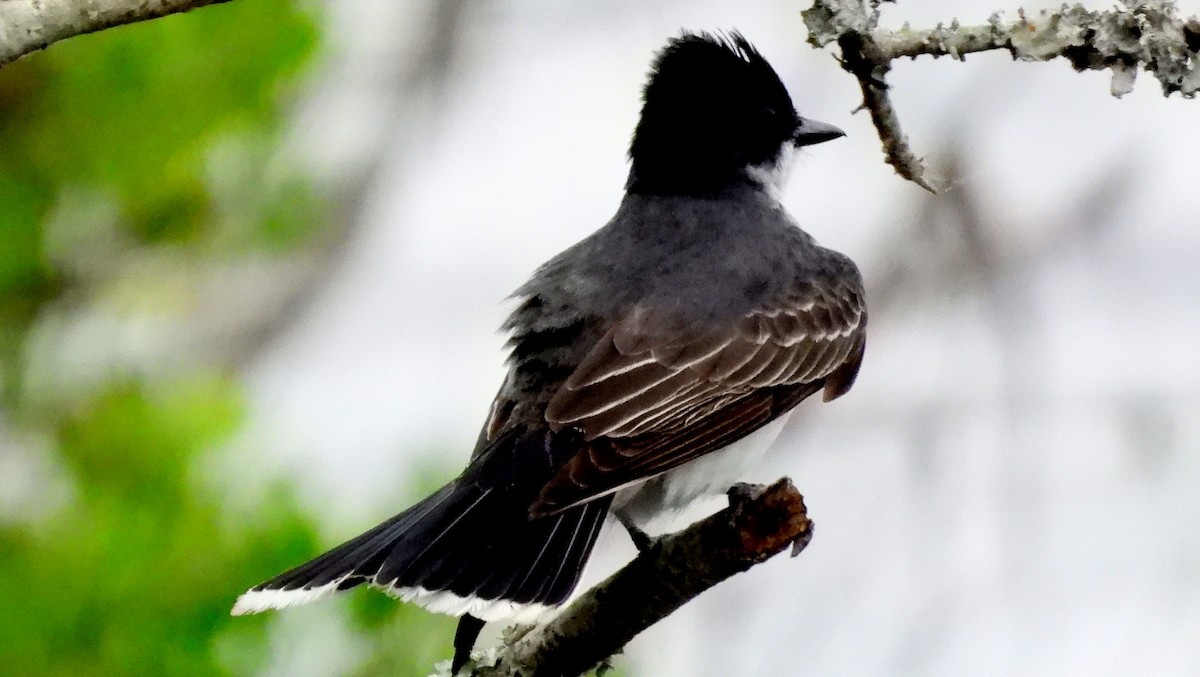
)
(131, 115)
(115, 148)
(135, 576)
(405, 639)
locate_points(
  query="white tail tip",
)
(256, 601)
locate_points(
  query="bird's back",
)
(695, 261)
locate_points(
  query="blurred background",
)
(252, 261)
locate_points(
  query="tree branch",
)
(1150, 35)
(30, 25)
(758, 524)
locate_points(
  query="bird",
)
(649, 364)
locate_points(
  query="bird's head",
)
(715, 113)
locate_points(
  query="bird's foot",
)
(641, 540)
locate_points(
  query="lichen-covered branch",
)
(863, 58)
(757, 525)
(1149, 35)
(30, 25)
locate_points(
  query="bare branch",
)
(30, 25)
(1150, 35)
(757, 525)
(863, 58)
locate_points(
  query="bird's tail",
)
(464, 550)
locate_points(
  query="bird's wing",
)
(648, 397)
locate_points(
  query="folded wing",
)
(650, 396)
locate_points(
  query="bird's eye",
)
(767, 116)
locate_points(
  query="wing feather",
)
(651, 394)
(595, 400)
(763, 356)
(649, 400)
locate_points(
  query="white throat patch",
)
(773, 174)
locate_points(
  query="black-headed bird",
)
(650, 364)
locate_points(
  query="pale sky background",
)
(1010, 488)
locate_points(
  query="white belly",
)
(711, 474)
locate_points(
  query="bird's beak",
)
(811, 132)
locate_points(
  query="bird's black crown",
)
(712, 106)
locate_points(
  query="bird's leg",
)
(641, 540)
(464, 641)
